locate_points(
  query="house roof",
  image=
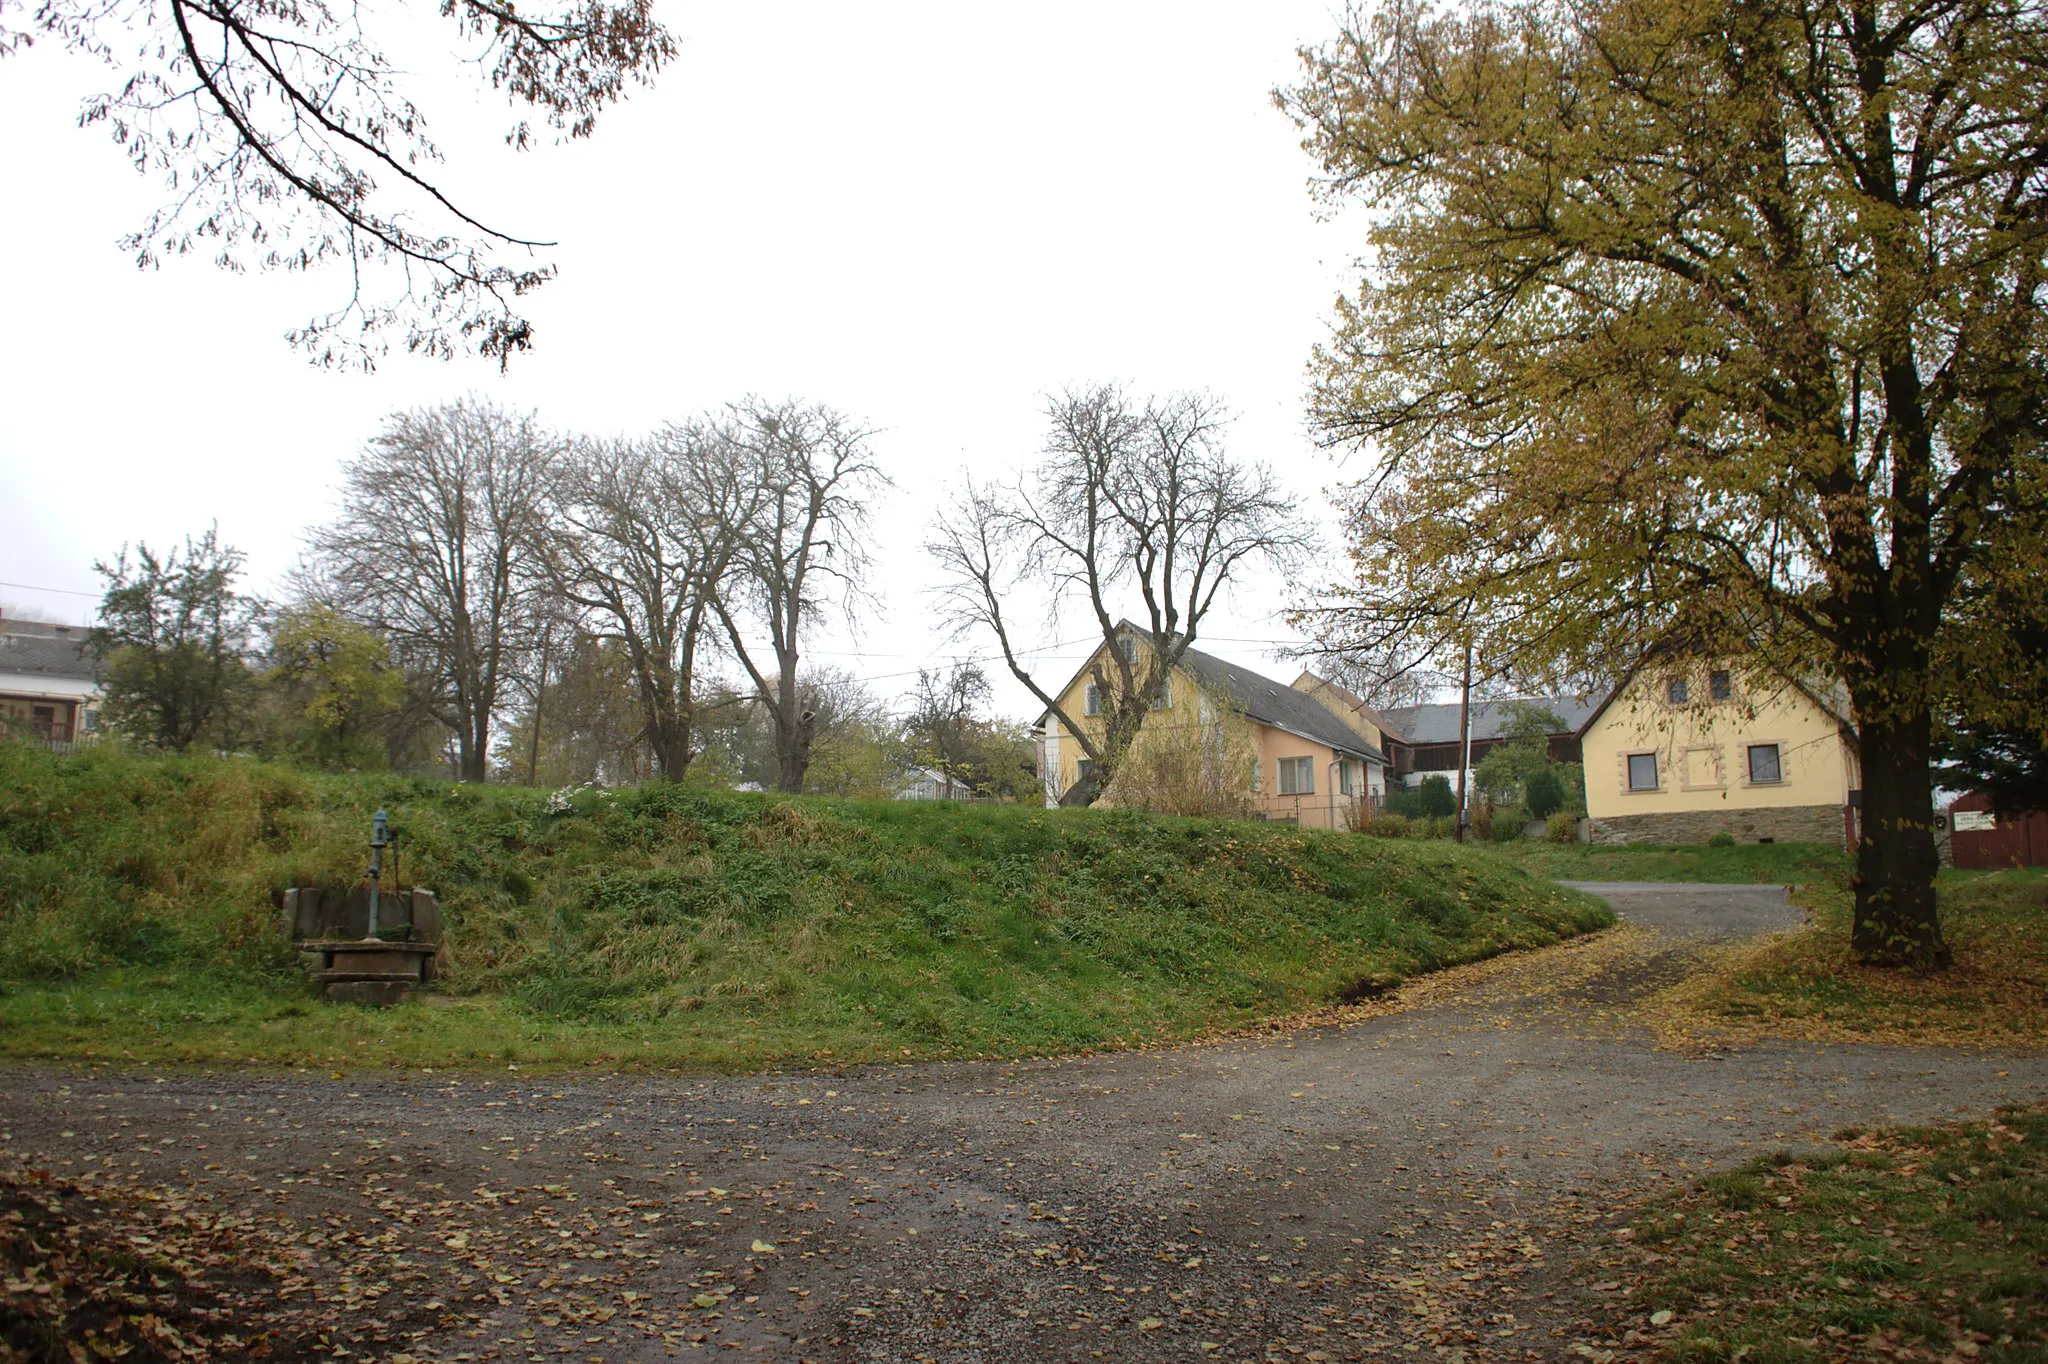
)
(1437, 722)
(1261, 698)
(1349, 697)
(52, 655)
(1277, 704)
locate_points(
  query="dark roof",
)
(1437, 723)
(47, 655)
(1277, 704)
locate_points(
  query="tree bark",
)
(1896, 923)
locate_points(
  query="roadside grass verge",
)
(678, 926)
(1807, 985)
(1741, 864)
(1917, 1243)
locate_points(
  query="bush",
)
(1437, 826)
(1434, 797)
(1389, 825)
(1544, 792)
(1722, 840)
(1561, 827)
(1506, 826)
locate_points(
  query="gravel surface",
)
(1412, 1182)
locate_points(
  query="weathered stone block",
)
(1782, 824)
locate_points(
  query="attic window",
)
(1127, 648)
(1675, 691)
(1091, 700)
(1163, 698)
(1720, 687)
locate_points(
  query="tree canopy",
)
(1703, 325)
(286, 138)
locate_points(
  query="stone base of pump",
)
(368, 970)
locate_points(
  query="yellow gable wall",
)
(1338, 704)
(1701, 748)
(1183, 708)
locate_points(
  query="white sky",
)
(925, 215)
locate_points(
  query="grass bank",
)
(678, 926)
(1806, 984)
(1917, 1243)
(1742, 863)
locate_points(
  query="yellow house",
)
(1311, 766)
(1683, 751)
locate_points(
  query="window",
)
(89, 721)
(1764, 769)
(1297, 776)
(1258, 777)
(1127, 648)
(1720, 686)
(1642, 771)
(1163, 698)
(1675, 691)
(1347, 784)
(1091, 702)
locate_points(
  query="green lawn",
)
(1913, 1243)
(1746, 863)
(681, 926)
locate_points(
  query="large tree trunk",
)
(1896, 923)
(793, 752)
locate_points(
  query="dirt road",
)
(1409, 1183)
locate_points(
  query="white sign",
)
(1974, 821)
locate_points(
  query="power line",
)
(66, 591)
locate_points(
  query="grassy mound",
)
(678, 925)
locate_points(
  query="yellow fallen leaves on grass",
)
(1807, 985)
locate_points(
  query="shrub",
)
(1544, 792)
(1723, 839)
(1434, 797)
(1437, 826)
(1561, 827)
(1390, 825)
(1506, 826)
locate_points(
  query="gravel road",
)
(1412, 1182)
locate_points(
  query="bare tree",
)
(286, 140)
(811, 470)
(651, 531)
(1131, 498)
(442, 546)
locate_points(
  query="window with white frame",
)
(1347, 781)
(1127, 648)
(1163, 698)
(1765, 769)
(1642, 771)
(1091, 700)
(1297, 776)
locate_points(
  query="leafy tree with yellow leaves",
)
(1700, 325)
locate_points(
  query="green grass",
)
(1934, 1239)
(1807, 984)
(1743, 863)
(680, 926)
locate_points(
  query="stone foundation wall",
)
(1782, 824)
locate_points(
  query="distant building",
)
(49, 682)
(1423, 740)
(928, 783)
(1316, 760)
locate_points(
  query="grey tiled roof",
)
(1437, 723)
(47, 655)
(1277, 704)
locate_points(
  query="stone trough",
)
(366, 944)
(330, 928)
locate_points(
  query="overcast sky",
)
(925, 215)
